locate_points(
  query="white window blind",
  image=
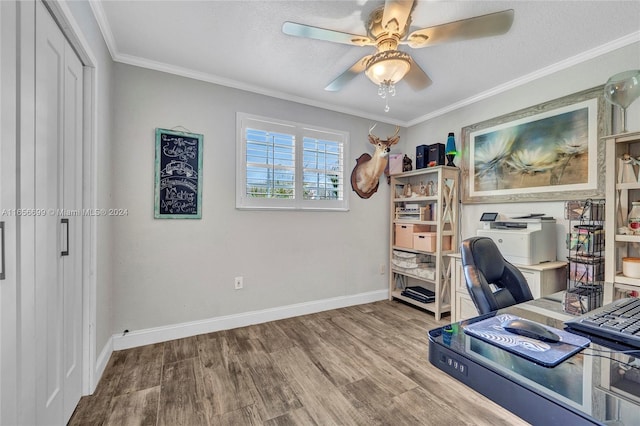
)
(284, 165)
(270, 164)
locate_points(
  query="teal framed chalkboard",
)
(178, 175)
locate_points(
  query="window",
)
(284, 165)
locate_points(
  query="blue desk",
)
(594, 386)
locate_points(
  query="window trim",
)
(299, 130)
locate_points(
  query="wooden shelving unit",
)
(434, 212)
(618, 203)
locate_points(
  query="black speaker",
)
(421, 156)
(435, 154)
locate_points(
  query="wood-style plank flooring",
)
(362, 365)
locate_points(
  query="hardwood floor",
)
(362, 365)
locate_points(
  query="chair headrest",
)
(483, 253)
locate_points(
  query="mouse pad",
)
(544, 353)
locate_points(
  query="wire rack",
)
(585, 242)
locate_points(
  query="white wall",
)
(174, 271)
(571, 80)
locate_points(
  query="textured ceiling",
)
(240, 44)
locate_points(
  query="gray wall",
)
(580, 77)
(173, 271)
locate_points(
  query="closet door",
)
(8, 245)
(58, 291)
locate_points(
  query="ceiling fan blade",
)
(416, 77)
(348, 75)
(302, 30)
(465, 29)
(396, 15)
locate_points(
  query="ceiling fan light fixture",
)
(389, 66)
(386, 69)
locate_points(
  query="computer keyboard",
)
(619, 321)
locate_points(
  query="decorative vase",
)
(621, 90)
(626, 173)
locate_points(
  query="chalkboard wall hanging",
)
(178, 193)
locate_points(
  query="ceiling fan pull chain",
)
(385, 90)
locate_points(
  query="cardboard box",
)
(435, 154)
(395, 164)
(404, 234)
(422, 153)
(426, 241)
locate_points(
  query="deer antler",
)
(392, 140)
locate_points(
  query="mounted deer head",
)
(365, 176)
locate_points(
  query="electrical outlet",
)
(382, 268)
(238, 284)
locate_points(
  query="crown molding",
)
(105, 28)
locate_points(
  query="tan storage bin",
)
(426, 241)
(404, 234)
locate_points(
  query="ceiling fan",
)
(387, 28)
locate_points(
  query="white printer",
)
(524, 239)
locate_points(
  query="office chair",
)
(493, 282)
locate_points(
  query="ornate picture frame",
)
(547, 152)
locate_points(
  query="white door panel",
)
(58, 293)
(8, 246)
(48, 289)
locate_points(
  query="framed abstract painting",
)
(546, 152)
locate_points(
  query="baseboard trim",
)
(101, 363)
(178, 331)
